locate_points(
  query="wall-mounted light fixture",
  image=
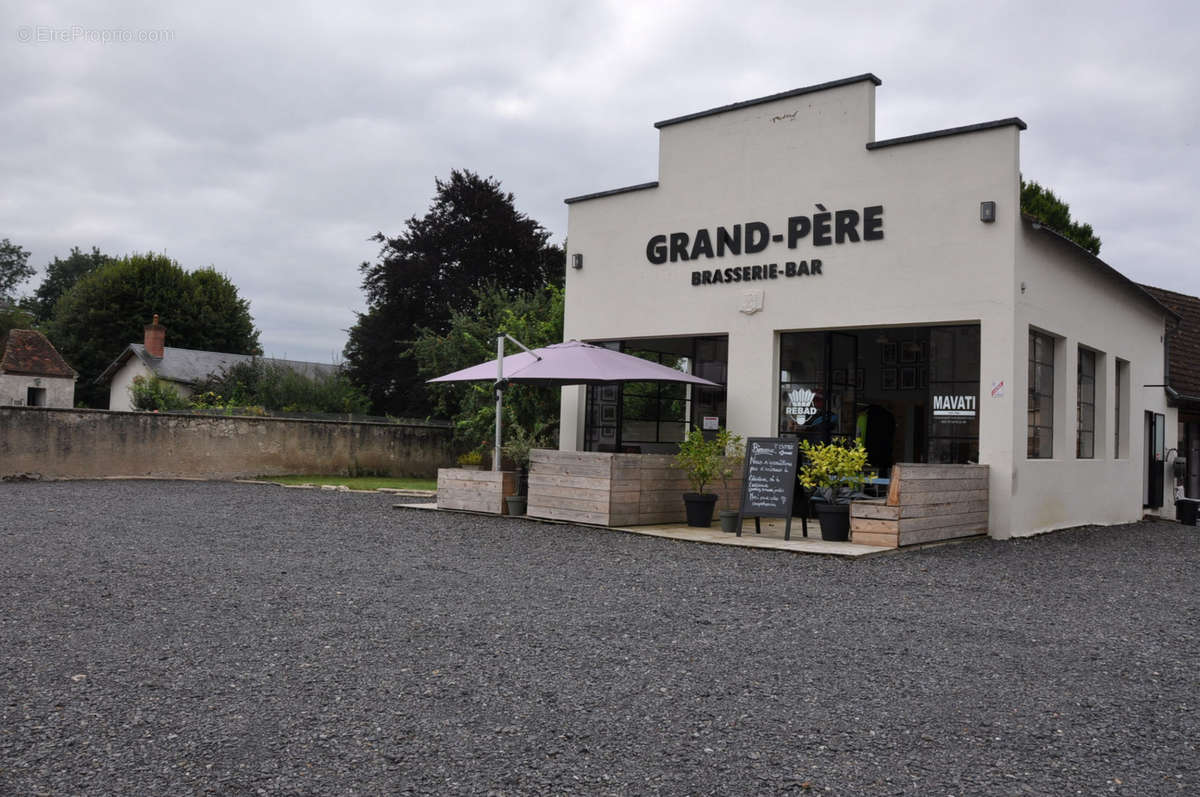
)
(577, 260)
(987, 211)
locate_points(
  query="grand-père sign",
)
(823, 228)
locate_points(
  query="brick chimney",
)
(156, 336)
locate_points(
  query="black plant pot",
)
(699, 508)
(729, 520)
(835, 521)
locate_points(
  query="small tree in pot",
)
(834, 471)
(700, 460)
(520, 443)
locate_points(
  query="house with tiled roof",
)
(33, 373)
(185, 369)
(1183, 377)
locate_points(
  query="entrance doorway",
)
(910, 394)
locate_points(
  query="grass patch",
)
(357, 482)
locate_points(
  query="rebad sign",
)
(823, 228)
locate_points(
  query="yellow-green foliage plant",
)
(835, 469)
(471, 459)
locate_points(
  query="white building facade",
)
(838, 286)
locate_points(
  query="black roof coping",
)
(950, 131)
(611, 192)
(783, 95)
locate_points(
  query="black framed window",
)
(1040, 443)
(656, 412)
(1085, 436)
(954, 394)
(649, 417)
(1122, 369)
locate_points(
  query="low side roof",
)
(1183, 358)
(27, 351)
(192, 366)
(1104, 268)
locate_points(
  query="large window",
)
(1040, 443)
(649, 417)
(1122, 374)
(910, 394)
(954, 394)
(1085, 436)
(656, 412)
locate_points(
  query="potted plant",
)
(520, 443)
(471, 460)
(834, 471)
(734, 449)
(700, 459)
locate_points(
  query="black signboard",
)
(769, 482)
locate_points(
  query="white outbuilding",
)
(837, 285)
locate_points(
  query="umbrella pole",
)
(499, 399)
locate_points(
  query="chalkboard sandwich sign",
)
(769, 482)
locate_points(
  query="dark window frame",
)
(1040, 391)
(1085, 400)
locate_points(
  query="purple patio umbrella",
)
(570, 363)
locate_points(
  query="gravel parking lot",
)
(176, 637)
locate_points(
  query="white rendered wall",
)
(119, 397)
(1067, 297)
(118, 389)
(14, 389)
(938, 263)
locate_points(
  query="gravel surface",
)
(176, 637)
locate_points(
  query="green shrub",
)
(154, 395)
(276, 387)
(521, 442)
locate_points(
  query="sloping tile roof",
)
(1184, 343)
(26, 351)
(192, 366)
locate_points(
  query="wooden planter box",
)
(475, 490)
(925, 503)
(607, 489)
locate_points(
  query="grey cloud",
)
(271, 141)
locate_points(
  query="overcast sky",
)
(270, 141)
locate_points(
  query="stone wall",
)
(73, 443)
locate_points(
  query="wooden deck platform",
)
(770, 539)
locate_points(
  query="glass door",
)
(818, 384)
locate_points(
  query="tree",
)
(108, 308)
(13, 317)
(471, 236)
(14, 267)
(1047, 208)
(61, 274)
(535, 319)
